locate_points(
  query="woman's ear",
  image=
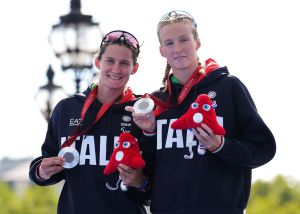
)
(161, 50)
(135, 68)
(198, 45)
(97, 63)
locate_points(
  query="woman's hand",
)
(145, 122)
(130, 176)
(207, 138)
(50, 166)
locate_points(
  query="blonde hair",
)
(178, 16)
(172, 17)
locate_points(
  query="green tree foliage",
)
(9, 203)
(38, 199)
(280, 196)
(33, 200)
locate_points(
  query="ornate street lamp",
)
(75, 40)
(49, 95)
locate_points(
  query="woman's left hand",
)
(130, 176)
(207, 137)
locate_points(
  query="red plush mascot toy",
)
(201, 111)
(126, 151)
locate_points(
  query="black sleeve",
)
(254, 145)
(42, 182)
(50, 148)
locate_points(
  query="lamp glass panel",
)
(89, 37)
(71, 36)
(85, 59)
(57, 40)
(67, 59)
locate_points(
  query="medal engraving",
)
(70, 156)
(143, 105)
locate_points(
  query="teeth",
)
(114, 77)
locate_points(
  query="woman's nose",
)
(116, 67)
(177, 47)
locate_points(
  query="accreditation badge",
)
(143, 105)
(70, 156)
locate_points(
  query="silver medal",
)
(70, 156)
(143, 105)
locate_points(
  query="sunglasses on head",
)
(116, 35)
(178, 14)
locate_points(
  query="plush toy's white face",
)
(126, 151)
(199, 111)
(121, 147)
(196, 107)
(202, 110)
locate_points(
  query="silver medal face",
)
(143, 105)
(70, 155)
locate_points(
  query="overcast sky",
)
(257, 40)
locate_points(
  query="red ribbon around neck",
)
(126, 96)
(197, 76)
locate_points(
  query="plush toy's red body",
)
(200, 111)
(126, 151)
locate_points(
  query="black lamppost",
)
(75, 40)
(49, 94)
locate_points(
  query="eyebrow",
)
(125, 60)
(180, 37)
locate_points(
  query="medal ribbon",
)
(210, 65)
(126, 96)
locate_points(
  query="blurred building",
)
(14, 172)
